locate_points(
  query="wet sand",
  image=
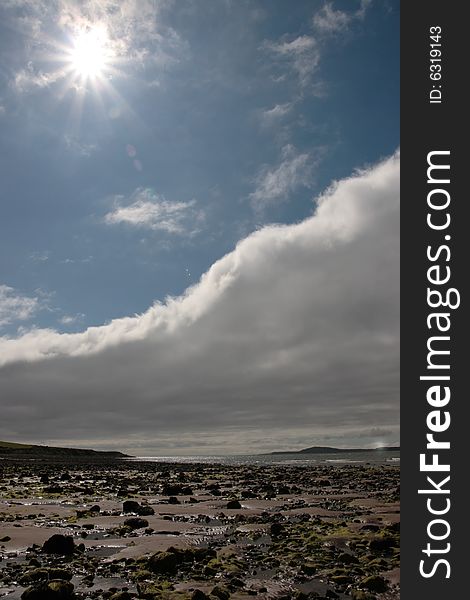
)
(197, 531)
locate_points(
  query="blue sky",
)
(195, 124)
(214, 108)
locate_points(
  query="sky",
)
(199, 231)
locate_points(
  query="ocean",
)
(372, 457)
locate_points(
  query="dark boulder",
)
(370, 527)
(233, 504)
(374, 583)
(382, 544)
(163, 563)
(59, 544)
(136, 522)
(220, 592)
(276, 529)
(49, 590)
(198, 595)
(130, 506)
(145, 511)
(44, 574)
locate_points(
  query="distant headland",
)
(14, 450)
(328, 450)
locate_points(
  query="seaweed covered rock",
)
(49, 590)
(44, 574)
(136, 523)
(374, 583)
(163, 563)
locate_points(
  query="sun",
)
(90, 53)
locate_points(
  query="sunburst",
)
(90, 55)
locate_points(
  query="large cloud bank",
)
(291, 339)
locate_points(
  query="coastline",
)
(270, 530)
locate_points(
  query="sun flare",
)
(90, 54)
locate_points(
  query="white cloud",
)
(71, 319)
(329, 21)
(149, 210)
(30, 78)
(40, 256)
(15, 307)
(272, 116)
(273, 184)
(292, 336)
(301, 53)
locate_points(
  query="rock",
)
(361, 595)
(233, 504)
(95, 508)
(163, 562)
(59, 544)
(61, 588)
(299, 595)
(198, 595)
(52, 590)
(276, 529)
(121, 596)
(382, 544)
(309, 568)
(220, 592)
(33, 562)
(173, 500)
(130, 506)
(347, 559)
(342, 579)
(173, 489)
(136, 523)
(374, 583)
(5, 538)
(148, 591)
(54, 489)
(370, 527)
(45, 574)
(146, 511)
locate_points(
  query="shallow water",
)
(371, 456)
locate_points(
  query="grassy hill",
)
(14, 450)
(13, 445)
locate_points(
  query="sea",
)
(372, 457)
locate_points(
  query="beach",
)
(125, 529)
